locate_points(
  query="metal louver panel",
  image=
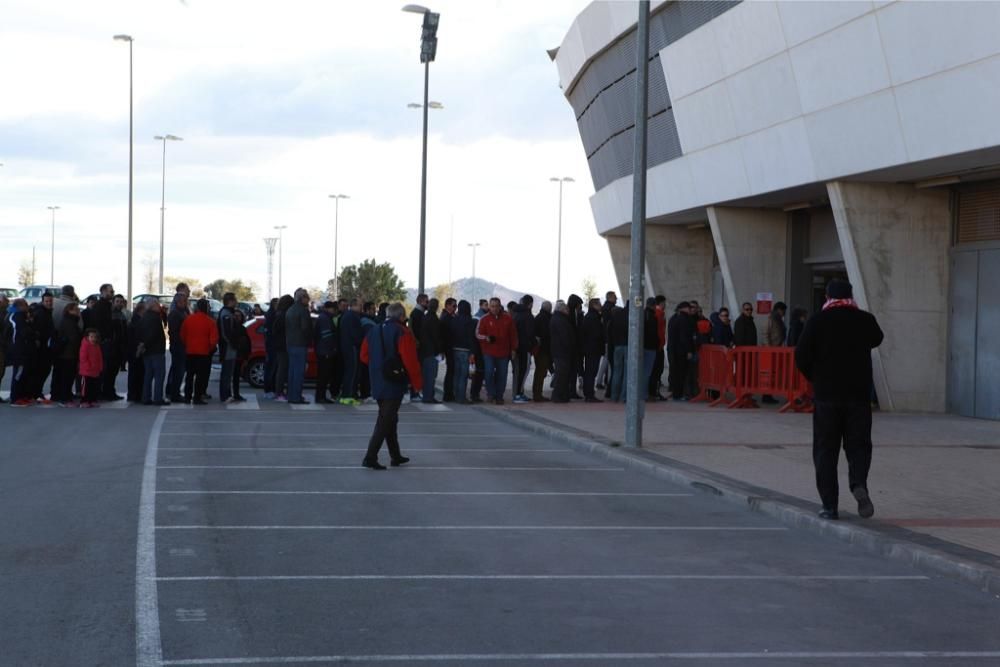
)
(979, 213)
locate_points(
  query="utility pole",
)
(270, 242)
(635, 392)
(52, 255)
(474, 246)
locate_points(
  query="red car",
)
(253, 370)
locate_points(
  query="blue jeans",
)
(429, 372)
(648, 358)
(460, 362)
(296, 371)
(496, 376)
(178, 364)
(155, 364)
(226, 378)
(618, 373)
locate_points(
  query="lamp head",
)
(416, 9)
(123, 38)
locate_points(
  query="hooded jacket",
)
(722, 333)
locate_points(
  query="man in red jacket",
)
(200, 336)
(498, 339)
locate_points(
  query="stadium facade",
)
(794, 142)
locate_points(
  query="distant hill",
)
(473, 291)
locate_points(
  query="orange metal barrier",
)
(715, 373)
(769, 370)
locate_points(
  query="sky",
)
(280, 104)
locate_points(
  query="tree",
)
(316, 294)
(444, 290)
(244, 291)
(589, 288)
(369, 281)
(26, 273)
(149, 266)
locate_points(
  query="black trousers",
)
(520, 371)
(136, 375)
(561, 378)
(657, 376)
(112, 365)
(449, 376)
(237, 376)
(40, 372)
(386, 430)
(834, 424)
(199, 367)
(324, 374)
(63, 375)
(591, 362)
(677, 375)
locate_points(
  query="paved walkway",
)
(935, 474)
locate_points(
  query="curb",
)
(896, 544)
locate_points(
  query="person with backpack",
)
(390, 351)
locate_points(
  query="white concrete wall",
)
(772, 95)
(679, 262)
(752, 245)
(895, 240)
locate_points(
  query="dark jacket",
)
(575, 304)
(431, 342)
(592, 334)
(795, 327)
(325, 338)
(351, 333)
(525, 325)
(745, 331)
(650, 330)
(563, 336)
(298, 326)
(388, 341)
(462, 331)
(680, 335)
(151, 333)
(618, 327)
(276, 332)
(241, 341)
(175, 320)
(99, 317)
(22, 342)
(834, 353)
(268, 329)
(67, 345)
(41, 321)
(543, 333)
(777, 332)
(722, 334)
(416, 318)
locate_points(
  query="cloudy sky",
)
(281, 103)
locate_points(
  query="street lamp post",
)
(428, 49)
(269, 243)
(128, 38)
(281, 251)
(163, 195)
(474, 246)
(52, 255)
(336, 233)
(560, 181)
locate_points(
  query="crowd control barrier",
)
(746, 371)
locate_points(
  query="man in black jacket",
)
(745, 329)
(41, 317)
(680, 348)
(563, 350)
(594, 345)
(834, 353)
(543, 357)
(575, 305)
(154, 353)
(524, 322)
(430, 349)
(326, 343)
(178, 354)
(447, 315)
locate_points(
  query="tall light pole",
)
(560, 181)
(270, 242)
(336, 233)
(474, 246)
(163, 195)
(428, 49)
(52, 255)
(128, 38)
(281, 251)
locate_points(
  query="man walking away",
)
(390, 352)
(462, 334)
(834, 353)
(200, 336)
(594, 345)
(351, 338)
(498, 338)
(154, 353)
(524, 322)
(447, 315)
(298, 336)
(178, 358)
(680, 348)
(745, 329)
(543, 356)
(326, 346)
(430, 350)
(563, 342)
(227, 352)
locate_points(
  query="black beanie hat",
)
(839, 289)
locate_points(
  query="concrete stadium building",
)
(794, 142)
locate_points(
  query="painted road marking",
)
(190, 615)
(552, 577)
(337, 434)
(432, 407)
(739, 529)
(428, 493)
(360, 467)
(175, 479)
(307, 406)
(488, 450)
(185, 552)
(149, 651)
(177, 508)
(768, 656)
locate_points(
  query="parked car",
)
(33, 293)
(253, 369)
(8, 292)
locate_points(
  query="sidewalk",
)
(933, 474)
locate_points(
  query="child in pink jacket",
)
(91, 366)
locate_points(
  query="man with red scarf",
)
(834, 353)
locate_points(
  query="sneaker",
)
(281, 398)
(229, 401)
(43, 401)
(830, 515)
(349, 401)
(21, 403)
(865, 507)
(521, 399)
(89, 404)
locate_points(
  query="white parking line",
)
(487, 450)
(331, 434)
(556, 577)
(360, 467)
(428, 493)
(149, 652)
(767, 656)
(738, 529)
(312, 407)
